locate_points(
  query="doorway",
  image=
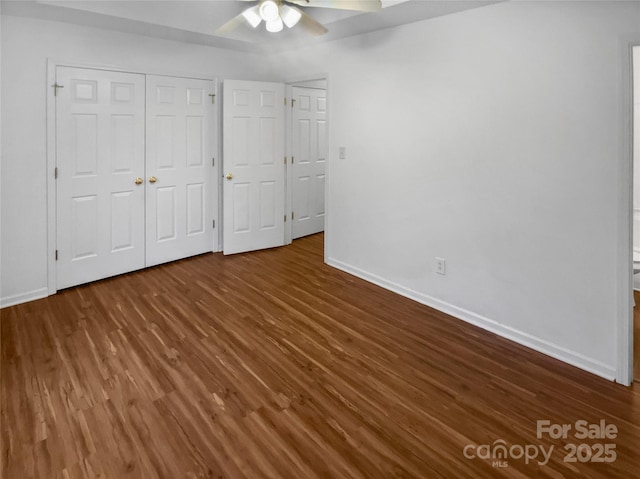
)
(308, 144)
(275, 144)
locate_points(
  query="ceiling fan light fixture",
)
(275, 26)
(290, 16)
(269, 11)
(252, 16)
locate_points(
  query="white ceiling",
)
(195, 21)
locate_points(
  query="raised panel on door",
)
(84, 223)
(268, 205)
(179, 172)
(165, 214)
(253, 188)
(99, 155)
(195, 141)
(123, 222)
(241, 211)
(123, 144)
(196, 209)
(308, 142)
(302, 197)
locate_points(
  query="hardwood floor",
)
(272, 364)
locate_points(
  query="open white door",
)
(179, 168)
(309, 150)
(100, 166)
(253, 156)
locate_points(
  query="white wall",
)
(490, 138)
(26, 45)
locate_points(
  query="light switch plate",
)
(441, 266)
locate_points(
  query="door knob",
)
(152, 179)
(138, 181)
(229, 176)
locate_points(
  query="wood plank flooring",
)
(274, 365)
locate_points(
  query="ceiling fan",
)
(278, 13)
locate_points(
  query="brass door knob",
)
(152, 179)
(138, 181)
(229, 176)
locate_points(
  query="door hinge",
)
(292, 160)
(56, 255)
(285, 160)
(55, 173)
(213, 162)
(55, 88)
(214, 224)
(293, 216)
(213, 98)
(285, 101)
(285, 218)
(293, 101)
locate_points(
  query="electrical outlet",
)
(342, 152)
(441, 266)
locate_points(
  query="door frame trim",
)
(624, 318)
(52, 64)
(288, 202)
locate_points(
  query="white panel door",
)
(99, 156)
(253, 155)
(309, 149)
(179, 170)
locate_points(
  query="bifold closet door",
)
(100, 164)
(125, 201)
(179, 168)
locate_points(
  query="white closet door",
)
(254, 184)
(308, 142)
(100, 154)
(179, 170)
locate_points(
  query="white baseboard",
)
(558, 352)
(24, 297)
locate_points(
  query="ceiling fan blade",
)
(231, 25)
(357, 5)
(312, 26)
